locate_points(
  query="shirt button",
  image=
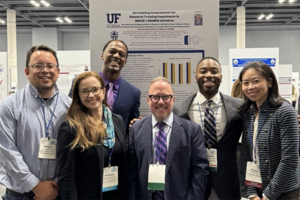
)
(268, 177)
(266, 130)
(266, 161)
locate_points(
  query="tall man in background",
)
(122, 97)
(29, 123)
(217, 114)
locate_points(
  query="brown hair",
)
(40, 48)
(90, 131)
(236, 90)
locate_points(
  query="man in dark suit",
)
(223, 183)
(125, 98)
(179, 151)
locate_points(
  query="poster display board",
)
(238, 58)
(71, 63)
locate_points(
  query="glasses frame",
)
(90, 91)
(160, 97)
(44, 66)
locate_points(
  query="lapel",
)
(119, 135)
(121, 94)
(146, 138)
(175, 138)
(229, 112)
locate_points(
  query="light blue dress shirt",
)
(22, 126)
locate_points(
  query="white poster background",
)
(71, 63)
(285, 87)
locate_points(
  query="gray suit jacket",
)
(187, 164)
(226, 180)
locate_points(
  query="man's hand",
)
(134, 120)
(255, 198)
(46, 190)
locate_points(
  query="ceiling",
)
(286, 15)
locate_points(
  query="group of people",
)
(55, 147)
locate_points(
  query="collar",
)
(168, 120)
(106, 81)
(202, 99)
(36, 93)
(264, 106)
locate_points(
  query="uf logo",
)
(114, 18)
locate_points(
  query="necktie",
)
(210, 133)
(160, 152)
(110, 95)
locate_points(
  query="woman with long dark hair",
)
(270, 144)
(91, 150)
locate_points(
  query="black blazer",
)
(226, 180)
(78, 171)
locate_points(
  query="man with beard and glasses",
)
(29, 123)
(217, 114)
(122, 97)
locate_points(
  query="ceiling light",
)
(67, 19)
(37, 4)
(291, 1)
(59, 19)
(32, 2)
(43, 1)
(269, 16)
(2, 21)
(281, 1)
(261, 16)
(46, 4)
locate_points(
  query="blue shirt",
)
(22, 125)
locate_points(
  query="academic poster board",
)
(285, 81)
(162, 42)
(71, 64)
(238, 58)
(3, 76)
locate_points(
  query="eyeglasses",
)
(156, 98)
(40, 67)
(86, 92)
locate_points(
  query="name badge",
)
(110, 179)
(212, 159)
(253, 178)
(156, 177)
(47, 148)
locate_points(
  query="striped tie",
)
(209, 126)
(160, 152)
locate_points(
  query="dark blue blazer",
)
(187, 164)
(127, 103)
(226, 180)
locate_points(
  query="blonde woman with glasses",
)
(91, 150)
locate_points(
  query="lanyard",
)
(47, 126)
(258, 131)
(202, 124)
(109, 150)
(159, 150)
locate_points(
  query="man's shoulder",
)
(185, 122)
(132, 87)
(234, 100)
(65, 98)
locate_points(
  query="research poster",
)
(239, 63)
(67, 73)
(166, 43)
